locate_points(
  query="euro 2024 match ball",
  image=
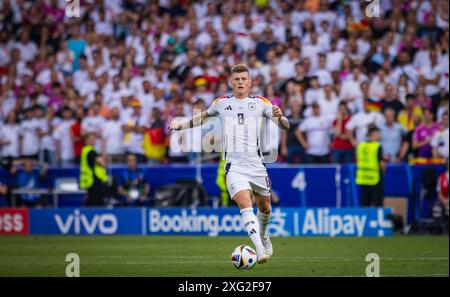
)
(243, 257)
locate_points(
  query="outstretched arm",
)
(195, 121)
(279, 119)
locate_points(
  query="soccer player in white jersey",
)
(241, 115)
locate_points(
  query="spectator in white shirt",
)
(351, 87)
(324, 13)
(42, 130)
(159, 102)
(48, 148)
(9, 138)
(113, 91)
(89, 86)
(431, 76)
(324, 35)
(146, 97)
(378, 84)
(405, 67)
(103, 26)
(134, 128)
(352, 50)
(93, 123)
(44, 76)
(329, 103)
(29, 139)
(422, 56)
(28, 49)
(322, 73)
(313, 93)
(112, 138)
(81, 74)
(286, 65)
(357, 105)
(65, 58)
(334, 57)
(246, 35)
(114, 65)
(204, 37)
(98, 63)
(63, 141)
(358, 124)
(318, 131)
(312, 50)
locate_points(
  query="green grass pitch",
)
(210, 256)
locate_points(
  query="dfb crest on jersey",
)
(251, 105)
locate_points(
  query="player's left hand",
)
(276, 112)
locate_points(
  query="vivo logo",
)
(76, 222)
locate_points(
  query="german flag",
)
(153, 143)
(372, 105)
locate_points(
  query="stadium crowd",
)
(124, 68)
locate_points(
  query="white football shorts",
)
(237, 182)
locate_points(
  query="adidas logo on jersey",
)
(228, 107)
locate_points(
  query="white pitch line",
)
(275, 258)
(363, 259)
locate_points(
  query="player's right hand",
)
(276, 111)
(174, 125)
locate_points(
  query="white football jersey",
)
(243, 122)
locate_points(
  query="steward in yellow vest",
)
(221, 181)
(93, 175)
(369, 168)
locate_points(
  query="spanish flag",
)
(153, 143)
(426, 161)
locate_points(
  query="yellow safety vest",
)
(220, 180)
(367, 163)
(86, 172)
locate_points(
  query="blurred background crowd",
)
(124, 68)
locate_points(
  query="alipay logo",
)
(335, 222)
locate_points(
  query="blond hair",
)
(239, 68)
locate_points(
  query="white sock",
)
(250, 222)
(263, 220)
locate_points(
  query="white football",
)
(243, 257)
